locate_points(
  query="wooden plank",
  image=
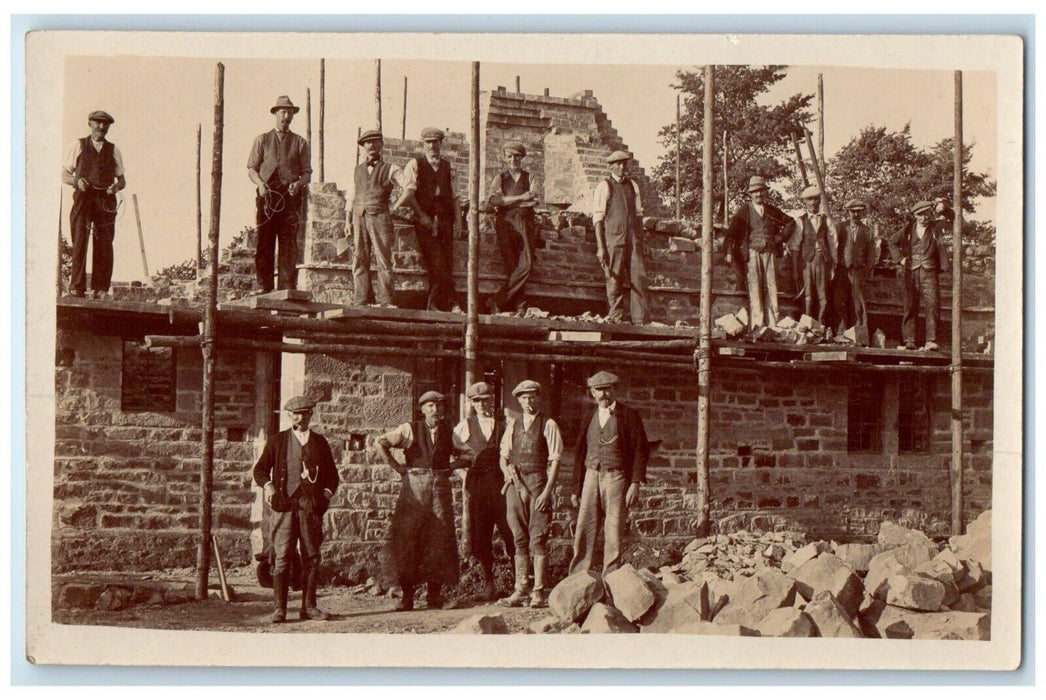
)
(732, 352)
(576, 336)
(827, 356)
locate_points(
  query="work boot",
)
(520, 594)
(487, 591)
(309, 611)
(407, 601)
(279, 590)
(433, 598)
(539, 598)
(931, 346)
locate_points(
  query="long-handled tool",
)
(226, 591)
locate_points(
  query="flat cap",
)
(526, 386)
(811, 192)
(430, 396)
(299, 403)
(284, 102)
(922, 206)
(515, 147)
(756, 183)
(856, 205)
(602, 379)
(479, 390)
(100, 116)
(369, 135)
(431, 133)
(618, 156)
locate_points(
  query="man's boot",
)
(539, 598)
(434, 597)
(519, 596)
(487, 593)
(279, 590)
(309, 611)
(407, 601)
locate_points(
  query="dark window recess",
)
(864, 415)
(147, 378)
(913, 416)
(236, 434)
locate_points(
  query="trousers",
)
(921, 289)
(762, 289)
(436, 254)
(626, 282)
(602, 499)
(372, 240)
(530, 527)
(277, 222)
(93, 217)
(291, 528)
(517, 256)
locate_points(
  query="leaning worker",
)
(514, 193)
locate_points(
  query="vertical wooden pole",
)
(704, 350)
(199, 201)
(679, 147)
(319, 125)
(957, 467)
(141, 237)
(209, 347)
(359, 132)
(799, 160)
(61, 194)
(472, 373)
(818, 173)
(308, 117)
(726, 180)
(377, 93)
(820, 122)
(517, 83)
(403, 130)
(546, 92)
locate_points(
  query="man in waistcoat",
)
(514, 193)
(482, 432)
(617, 212)
(810, 241)
(372, 232)
(755, 238)
(297, 473)
(93, 167)
(421, 545)
(530, 453)
(609, 465)
(854, 256)
(916, 248)
(280, 166)
(428, 186)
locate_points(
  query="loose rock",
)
(630, 593)
(573, 596)
(828, 573)
(976, 544)
(756, 596)
(786, 622)
(482, 624)
(603, 619)
(830, 617)
(914, 592)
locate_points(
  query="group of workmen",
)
(511, 471)
(832, 262)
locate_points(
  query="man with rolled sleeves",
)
(530, 453)
(617, 212)
(855, 257)
(810, 241)
(297, 473)
(609, 465)
(428, 186)
(482, 432)
(756, 235)
(421, 545)
(372, 232)
(514, 193)
(280, 166)
(916, 248)
(93, 167)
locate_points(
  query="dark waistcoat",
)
(621, 209)
(924, 252)
(604, 447)
(529, 447)
(487, 451)
(97, 167)
(373, 189)
(423, 453)
(434, 188)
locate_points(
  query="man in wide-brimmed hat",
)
(609, 465)
(514, 193)
(617, 213)
(280, 166)
(854, 256)
(93, 167)
(917, 249)
(421, 545)
(811, 243)
(297, 472)
(755, 239)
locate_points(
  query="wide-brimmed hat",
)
(756, 183)
(602, 379)
(369, 135)
(431, 133)
(527, 386)
(100, 116)
(479, 390)
(856, 205)
(298, 404)
(811, 192)
(921, 207)
(618, 156)
(430, 396)
(515, 147)
(284, 102)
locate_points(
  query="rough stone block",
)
(966, 602)
(79, 595)
(757, 595)
(548, 625)
(482, 624)
(681, 245)
(730, 325)
(678, 606)
(915, 592)
(976, 544)
(828, 573)
(573, 596)
(976, 577)
(629, 592)
(786, 622)
(881, 621)
(832, 619)
(603, 619)
(974, 626)
(114, 598)
(715, 629)
(983, 597)
(857, 555)
(795, 559)
(894, 535)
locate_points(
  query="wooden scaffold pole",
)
(199, 201)
(472, 321)
(319, 124)
(203, 552)
(957, 437)
(704, 350)
(377, 93)
(678, 156)
(403, 128)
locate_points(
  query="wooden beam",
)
(704, 353)
(199, 201)
(319, 126)
(957, 436)
(141, 236)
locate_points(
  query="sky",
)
(159, 101)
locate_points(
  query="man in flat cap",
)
(917, 249)
(93, 167)
(755, 238)
(514, 193)
(854, 256)
(280, 166)
(428, 186)
(609, 465)
(297, 473)
(482, 431)
(530, 453)
(810, 242)
(372, 232)
(421, 545)
(617, 212)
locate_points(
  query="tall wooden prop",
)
(957, 471)
(359, 132)
(678, 156)
(203, 552)
(141, 236)
(704, 350)
(199, 201)
(726, 180)
(308, 117)
(818, 173)
(61, 193)
(403, 129)
(820, 120)
(377, 93)
(319, 125)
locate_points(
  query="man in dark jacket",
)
(617, 214)
(297, 472)
(810, 243)
(609, 465)
(514, 193)
(916, 248)
(854, 257)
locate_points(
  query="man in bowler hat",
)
(617, 212)
(297, 473)
(93, 167)
(280, 166)
(917, 249)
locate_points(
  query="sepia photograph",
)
(681, 354)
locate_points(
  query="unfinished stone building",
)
(831, 448)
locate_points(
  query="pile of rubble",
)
(806, 331)
(776, 584)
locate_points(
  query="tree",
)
(758, 137)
